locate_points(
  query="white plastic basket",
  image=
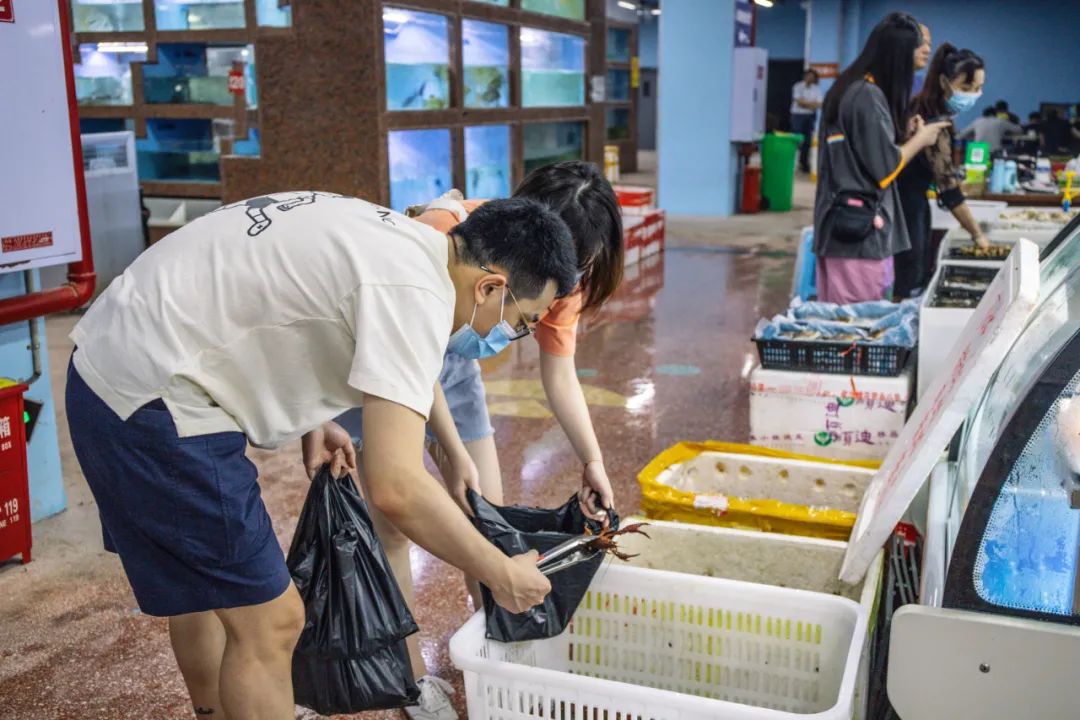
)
(654, 645)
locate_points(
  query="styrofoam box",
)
(635, 200)
(842, 417)
(939, 329)
(790, 561)
(959, 237)
(654, 645)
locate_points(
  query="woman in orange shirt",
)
(461, 436)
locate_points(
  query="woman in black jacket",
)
(953, 85)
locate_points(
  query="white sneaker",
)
(434, 702)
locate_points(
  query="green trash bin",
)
(778, 154)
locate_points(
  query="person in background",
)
(1033, 123)
(922, 59)
(1001, 107)
(805, 101)
(1055, 134)
(991, 129)
(462, 439)
(858, 223)
(954, 84)
(215, 338)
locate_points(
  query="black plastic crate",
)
(837, 358)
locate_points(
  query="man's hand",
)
(596, 495)
(522, 586)
(328, 443)
(460, 474)
(981, 241)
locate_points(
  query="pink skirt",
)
(851, 280)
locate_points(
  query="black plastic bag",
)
(351, 653)
(516, 530)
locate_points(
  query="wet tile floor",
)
(667, 360)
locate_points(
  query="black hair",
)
(990, 112)
(585, 201)
(949, 63)
(1002, 106)
(1034, 115)
(524, 238)
(889, 57)
(812, 71)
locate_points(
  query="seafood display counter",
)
(995, 633)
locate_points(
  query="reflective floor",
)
(666, 361)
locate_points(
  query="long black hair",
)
(583, 197)
(948, 63)
(889, 57)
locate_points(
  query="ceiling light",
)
(764, 3)
(656, 11)
(627, 5)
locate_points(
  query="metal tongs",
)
(568, 554)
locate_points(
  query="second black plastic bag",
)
(516, 530)
(351, 654)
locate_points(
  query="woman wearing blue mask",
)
(954, 83)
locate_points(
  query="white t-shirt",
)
(272, 316)
(809, 93)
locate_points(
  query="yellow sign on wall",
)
(635, 72)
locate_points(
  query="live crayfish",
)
(605, 541)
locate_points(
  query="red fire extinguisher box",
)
(14, 475)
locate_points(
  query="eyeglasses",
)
(522, 329)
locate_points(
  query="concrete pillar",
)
(696, 158)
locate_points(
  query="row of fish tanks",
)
(102, 16)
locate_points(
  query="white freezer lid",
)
(986, 339)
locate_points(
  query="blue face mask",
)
(960, 102)
(470, 345)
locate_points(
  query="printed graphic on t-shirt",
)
(260, 209)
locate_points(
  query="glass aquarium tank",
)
(552, 69)
(487, 161)
(1018, 470)
(546, 143)
(199, 14)
(106, 15)
(485, 52)
(197, 73)
(178, 151)
(618, 85)
(504, 3)
(417, 54)
(271, 13)
(88, 126)
(249, 146)
(618, 45)
(103, 74)
(572, 9)
(420, 168)
(618, 124)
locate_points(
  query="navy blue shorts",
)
(185, 514)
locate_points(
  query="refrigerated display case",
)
(552, 69)
(485, 52)
(417, 55)
(995, 633)
(107, 16)
(618, 85)
(487, 161)
(618, 124)
(103, 74)
(199, 14)
(420, 166)
(546, 143)
(271, 13)
(619, 45)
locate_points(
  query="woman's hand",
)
(328, 443)
(596, 495)
(981, 241)
(914, 124)
(926, 134)
(460, 474)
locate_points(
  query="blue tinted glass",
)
(420, 168)
(552, 69)
(198, 14)
(485, 50)
(417, 56)
(487, 161)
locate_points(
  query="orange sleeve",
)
(557, 331)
